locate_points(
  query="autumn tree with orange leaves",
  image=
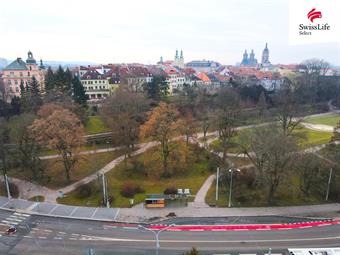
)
(59, 129)
(162, 125)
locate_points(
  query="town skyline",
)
(133, 32)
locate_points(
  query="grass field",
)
(330, 120)
(192, 177)
(95, 125)
(56, 174)
(307, 138)
(288, 194)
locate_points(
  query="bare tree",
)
(272, 153)
(124, 112)
(62, 131)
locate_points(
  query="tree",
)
(202, 111)
(162, 125)
(4, 151)
(286, 111)
(158, 88)
(49, 80)
(310, 169)
(78, 92)
(124, 112)
(28, 149)
(61, 130)
(262, 104)
(193, 251)
(227, 117)
(272, 153)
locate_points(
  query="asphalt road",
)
(47, 235)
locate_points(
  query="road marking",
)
(62, 233)
(22, 214)
(53, 209)
(15, 219)
(321, 225)
(9, 222)
(130, 227)
(57, 238)
(116, 214)
(109, 239)
(94, 213)
(196, 230)
(74, 234)
(42, 237)
(28, 236)
(73, 211)
(72, 238)
(307, 227)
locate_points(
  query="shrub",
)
(170, 191)
(130, 189)
(84, 190)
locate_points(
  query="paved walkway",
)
(201, 194)
(145, 215)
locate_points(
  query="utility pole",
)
(7, 187)
(231, 171)
(217, 178)
(329, 183)
(104, 190)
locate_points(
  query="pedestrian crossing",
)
(15, 219)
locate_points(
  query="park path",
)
(201, 194)
(28, 189)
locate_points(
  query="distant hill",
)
(54, 64)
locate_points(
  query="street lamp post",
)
(231, 171)
(329, 183)
(156, 233)
(217, 178)
(7, 187)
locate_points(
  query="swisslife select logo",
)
(308, 29)
(314, 21)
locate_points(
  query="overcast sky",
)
(105, 31)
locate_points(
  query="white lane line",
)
(321, 225)
(47, 230)
(130, 227)
(72, 238)
(116, 214)
(62, 233)
(94, 213)
(74, 234)
(42, 237)
(22, 214)
(307, 227)
(57, 238)
(73, 211)
(9, 222)
(53, 209)
(18, 220)
(28, 236)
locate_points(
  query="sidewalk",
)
(145, 215)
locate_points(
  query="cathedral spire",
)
(176, 56)
(181, 54)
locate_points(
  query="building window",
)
(16, 89)
(16, 82)
(20, 74)
(28, 74)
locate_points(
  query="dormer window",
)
(99, 77)
(88, 77)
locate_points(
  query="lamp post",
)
(329, 183)
(231, 171)
(217, 178)
(156, 233)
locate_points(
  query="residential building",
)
(96, 85)
(205, 66)
(21, 72)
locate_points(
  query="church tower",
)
(31, 62)
(245, 59)
(179, 60)
(265, 56)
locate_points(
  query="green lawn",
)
(307, 138)
(54, 169)
(95, 125)
(192, 177)
(288, 194)
(330, 120)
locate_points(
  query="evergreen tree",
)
(157, 89)
(49, 80)
(78, 92)
(35, 97)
